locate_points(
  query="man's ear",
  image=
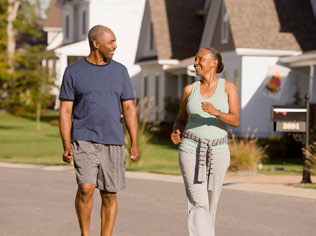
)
(95, 44)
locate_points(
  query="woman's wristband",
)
(220, 114)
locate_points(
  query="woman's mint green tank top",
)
(203, 124)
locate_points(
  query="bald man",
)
(94, 93)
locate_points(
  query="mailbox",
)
(289, 118)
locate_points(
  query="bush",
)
(246, 154)
(54, 122)
(145, 107)
(311, 157)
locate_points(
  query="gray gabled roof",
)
(272, 24)
(177, 27)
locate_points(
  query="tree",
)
(12, 12)
(25, 81)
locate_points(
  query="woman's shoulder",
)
(229, 86)
(188, 88)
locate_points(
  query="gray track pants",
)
(202, 197)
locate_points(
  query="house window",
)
(84, 22)
(145, 86)
(225, 25)
(151, 36)
(67, 26)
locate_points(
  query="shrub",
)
(54, 122)
(144, 111)
(311, 157)
(246, 154)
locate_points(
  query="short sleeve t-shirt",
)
(97, 92)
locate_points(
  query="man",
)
(94, 92)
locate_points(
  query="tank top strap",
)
(195, 89)
(221, 85)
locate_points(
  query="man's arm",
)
(130, 117)
(65, 124)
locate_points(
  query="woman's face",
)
(204, 62)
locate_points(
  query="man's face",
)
(107, 44)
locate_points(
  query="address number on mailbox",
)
(291, 126)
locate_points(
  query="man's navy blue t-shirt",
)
(97, 92)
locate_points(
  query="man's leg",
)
(108, 212)
(84, 203)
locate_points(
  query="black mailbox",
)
(289, 118)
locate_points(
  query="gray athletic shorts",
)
(100, 164)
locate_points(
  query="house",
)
(53, 28)
(76, 17)
(259, 40)
(171, 31)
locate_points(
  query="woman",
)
(206, 108)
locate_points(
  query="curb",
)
(233, 185)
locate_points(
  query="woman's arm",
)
(231, 118)
(182, 117)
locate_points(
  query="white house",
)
(78, 16)
(171, 31)
(53, 27)
(258, 40)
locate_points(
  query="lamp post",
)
(306, 166)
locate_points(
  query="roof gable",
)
(54, 18)
(268, 24)
(255, 24)
(177, 28)
(146, 51)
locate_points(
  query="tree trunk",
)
(11, 32)
(38, 116)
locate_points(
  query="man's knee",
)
(108, 198)
(85, 191)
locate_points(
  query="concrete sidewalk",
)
(280, 185)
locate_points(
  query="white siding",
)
(232, 68)
(256, 107)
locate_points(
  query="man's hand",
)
(68, 155)
(210, 109)
(175, 136)
(135, 155)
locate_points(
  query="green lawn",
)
(308, 186)
(159, 157)
(288, 169)
(21, 143)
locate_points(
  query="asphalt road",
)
(41, 202)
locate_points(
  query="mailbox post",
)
(306, 167)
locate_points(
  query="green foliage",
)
(30, 82)
(28, 19)
(246, 153)
(33, 81)
(144, 131)
(3, 44)
(311, 157)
